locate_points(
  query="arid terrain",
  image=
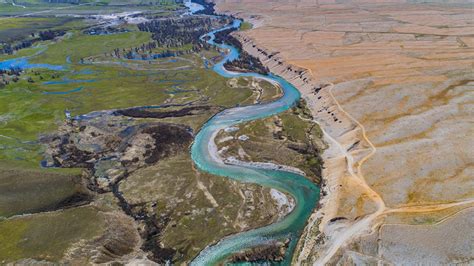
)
(391, 84)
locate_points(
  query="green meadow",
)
(94, 80)
(27, 110)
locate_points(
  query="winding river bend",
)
(204, 155)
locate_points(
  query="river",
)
(203, 152)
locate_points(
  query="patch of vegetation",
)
(245, 62)
(178, 31)
(12, 29)
(270, 91)
(246, 25)
(293, 127)
(27, 111)
(47, 236)
(40, 189)
(89, 45)
(285, 139)
(170, 190)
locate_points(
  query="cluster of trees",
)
(3, 83)
(144, 48)
(130, 54)
(245, 62)
(12, 75)
(104, 31)
(225, 37)
(169, 33)
(50, 34)
(145, 51)
(9, 48)
(13, 71)
(8, 75)
(177, 32)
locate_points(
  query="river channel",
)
(204, 155)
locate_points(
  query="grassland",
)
(80, 45)
(22, 53)
(202, 208)
(47, 236)
(35, 105)
(17, 28)
(109, 84)
(39, 188)
(284, 139)
(7, 9)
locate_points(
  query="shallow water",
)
(304, 192)
(193, 7)
(63, 92)
(84, 72)
(68, 81)
(23, 63)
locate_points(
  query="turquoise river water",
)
(203, 150)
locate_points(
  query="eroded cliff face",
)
(391, 86)
(342, 185)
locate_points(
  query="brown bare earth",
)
(392, 86)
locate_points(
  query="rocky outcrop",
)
(315, 92)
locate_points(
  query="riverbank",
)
(341, 133)
(204, 154)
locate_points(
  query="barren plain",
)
(391, 85)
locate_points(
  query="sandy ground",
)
(392, 85)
